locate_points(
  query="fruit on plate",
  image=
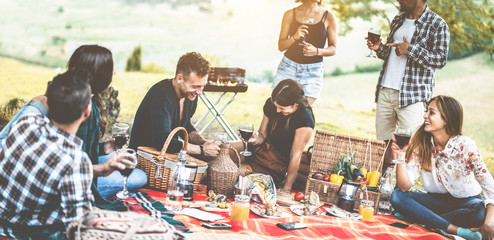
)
(299, 196)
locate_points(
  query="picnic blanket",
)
(318, 227)
(143, 203)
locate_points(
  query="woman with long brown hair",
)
(285, 130)
(452, 172)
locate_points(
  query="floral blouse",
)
(458, 170)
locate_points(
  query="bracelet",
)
(202, 150)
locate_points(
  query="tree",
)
(134, 60)
(470, 21)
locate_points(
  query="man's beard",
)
(404, 9)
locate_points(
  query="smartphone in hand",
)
(217, 225)
(291, 225)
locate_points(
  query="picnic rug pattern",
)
(143, 203)
(318, 227)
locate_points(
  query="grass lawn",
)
(346, 105)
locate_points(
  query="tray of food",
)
(268, 211)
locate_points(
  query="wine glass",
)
(373, 35)
(306, 21)
(120, 132)
(220, 136)
(402, 136)
(246, 130)
(130, 161)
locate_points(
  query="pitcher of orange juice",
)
(240, 208)
(366, 210)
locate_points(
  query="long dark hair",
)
(287, 93)
(99, 62)
(452, 113)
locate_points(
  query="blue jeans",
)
(437, 210)
(113, 183)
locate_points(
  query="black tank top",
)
(317, 36)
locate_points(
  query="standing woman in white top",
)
(452, 172)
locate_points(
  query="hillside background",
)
(37, 37)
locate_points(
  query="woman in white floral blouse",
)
(452, 172)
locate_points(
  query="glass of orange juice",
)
(366, 210)
(240, 208)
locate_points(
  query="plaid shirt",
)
(45, 178)
(428, 50)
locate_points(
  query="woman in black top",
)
(285, 130)
(303, 35)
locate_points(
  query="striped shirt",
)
(45, 178)
(428, 51)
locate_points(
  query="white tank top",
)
(395, 68)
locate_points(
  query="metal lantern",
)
(347, 192)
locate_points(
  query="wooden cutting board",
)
(286, 199)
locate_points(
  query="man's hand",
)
(372, 46)
(211, 148)
(401, 48)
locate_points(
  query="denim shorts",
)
(308, 75)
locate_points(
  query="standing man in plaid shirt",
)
(45, 178)
(417, 45)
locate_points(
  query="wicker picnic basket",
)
(223, 173)
(327, 152)
(158, 165)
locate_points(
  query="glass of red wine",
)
(120, 132)
(373, 35)
(402, 136)
(130, 161)
(246, 130)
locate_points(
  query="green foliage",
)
(57, 40)
(154, 68)
(470, 21)
(9, 110)
(337, 72)
(266, 76)
(134, 60)
(367, 68)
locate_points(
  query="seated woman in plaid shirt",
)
(45, 178)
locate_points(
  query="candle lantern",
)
(347, 192)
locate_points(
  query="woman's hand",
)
(309, 50)
(43, 100)
(301, 32)
(256, 139)
(106, 168)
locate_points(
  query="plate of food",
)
(268, 211)
(304, 210)
(338, 212)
